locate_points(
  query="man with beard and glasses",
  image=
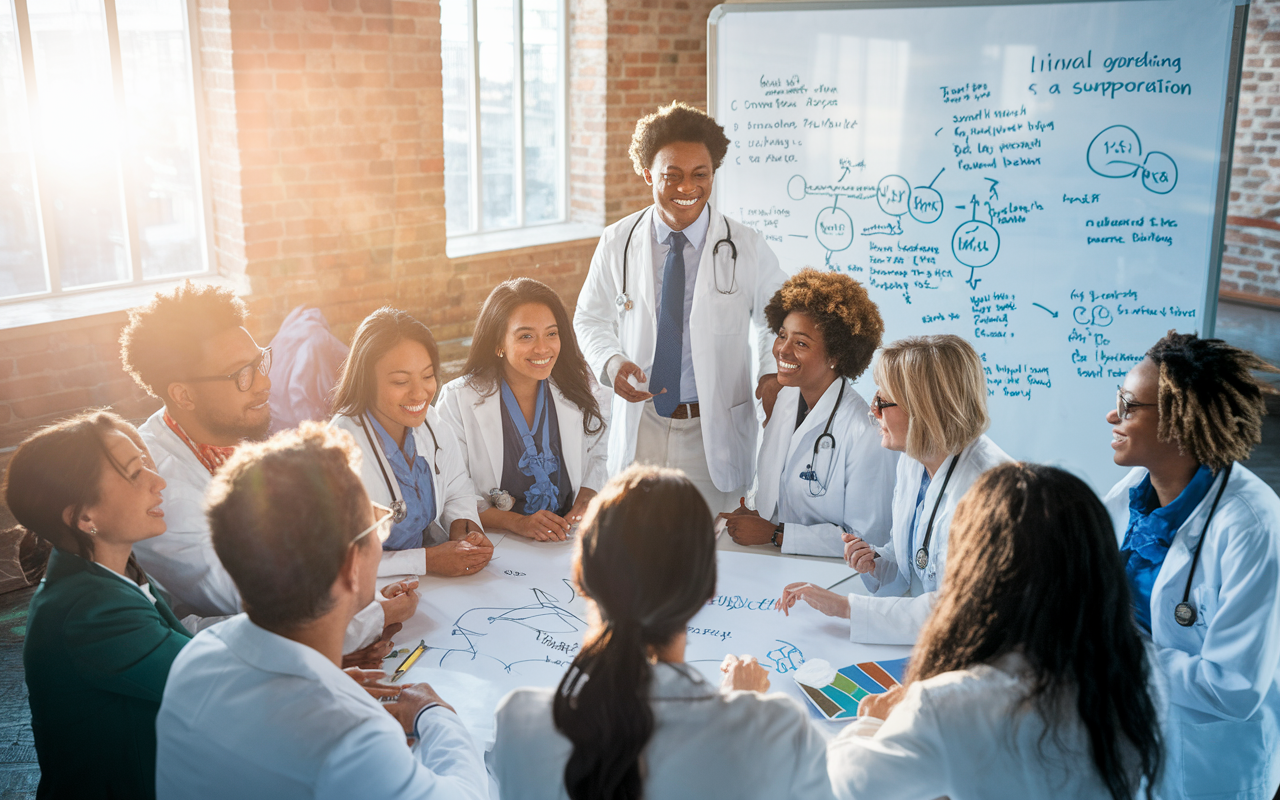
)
(190, 349)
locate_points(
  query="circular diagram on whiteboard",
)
(834, 229)
(975, 243)
(797, 187)
(893, 193)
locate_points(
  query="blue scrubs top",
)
(515, 481)
(413, 473)
(1151, 531)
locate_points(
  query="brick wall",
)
(325, 162)
(1252, 249)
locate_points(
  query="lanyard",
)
(922, 555)
(1184, 613)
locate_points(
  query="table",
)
(519, 622)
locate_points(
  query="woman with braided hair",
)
(1201, 535)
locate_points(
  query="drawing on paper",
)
(837, 692)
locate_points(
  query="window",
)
(100, 180)
(504, 111)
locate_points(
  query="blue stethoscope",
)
(624, 300)
(825, 441)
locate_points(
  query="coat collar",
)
(679, 682)
(488, 411)
(63, 564)
(270, 652)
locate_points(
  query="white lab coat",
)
(1224, 687)
(859, 474)
(889, 617)
(965, 735)
(705, 744)
(454, 495)
(249, 714)
(182, 559)
(476, 423)
(719, 331)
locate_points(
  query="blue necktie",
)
(669, 351)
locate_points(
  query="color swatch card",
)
(837, 692)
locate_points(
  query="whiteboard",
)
(1047, 180)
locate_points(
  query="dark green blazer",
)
(97, 656)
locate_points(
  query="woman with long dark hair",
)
(1201, 537)
(631, 718)
(101, 636)
(529, 426)
(1030, 679)
(410, 459)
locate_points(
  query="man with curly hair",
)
(190, 349)
(666, 314)
(1201, 538)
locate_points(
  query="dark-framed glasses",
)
(878, 405)
(382, 521)
(1125, 406)
(243, 377)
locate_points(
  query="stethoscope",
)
(1183, 613)
(399, 508)
(922, 555)
(624, 300)
(825, 441)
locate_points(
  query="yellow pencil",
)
(408, 661)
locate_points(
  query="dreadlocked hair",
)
(1209, 402)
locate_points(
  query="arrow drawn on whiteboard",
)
(938, 131)
(994, 194)
(1054, 313)
(841, 178)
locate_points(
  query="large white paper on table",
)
(520, 622)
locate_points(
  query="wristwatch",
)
(776, 532)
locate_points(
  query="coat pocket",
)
(1224, 758)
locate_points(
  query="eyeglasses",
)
(382, 519)
(878, 406)
(1125, 406)
(243, 376)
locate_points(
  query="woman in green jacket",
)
(100, 637)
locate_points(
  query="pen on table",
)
(842, 580)
(409, 661)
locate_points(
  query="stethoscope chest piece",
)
(399, 510)
(922, 558)
(1184, 614)
(624, 302)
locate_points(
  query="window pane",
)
(161, 152)
(455, 50)
(21, 259)
(543, 96)
(495, 28)
(78, 136)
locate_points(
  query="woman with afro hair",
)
(1201, 535)
(822, 471)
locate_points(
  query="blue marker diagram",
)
(975, 244)
(834, 228)
(1116, 152)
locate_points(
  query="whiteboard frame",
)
(1226, 148)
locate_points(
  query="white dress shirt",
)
(965, 735)
(705, 744)
(249, 714)
(182, 559)
(695, 237)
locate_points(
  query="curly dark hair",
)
(678, 122)
(1209, 402)
(840, 307)
(166, 336)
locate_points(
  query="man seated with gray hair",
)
(258, 706)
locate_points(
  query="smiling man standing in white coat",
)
(667, 314)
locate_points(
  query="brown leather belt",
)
(686, 411)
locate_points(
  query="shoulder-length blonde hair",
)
(939, 382)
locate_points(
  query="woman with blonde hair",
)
(931, 405)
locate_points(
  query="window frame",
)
(45, 217)
(475, 174)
